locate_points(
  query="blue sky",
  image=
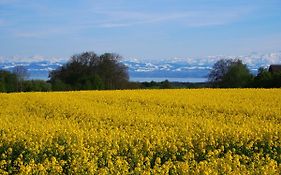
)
(139, 28)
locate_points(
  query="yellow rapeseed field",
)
(204, 131)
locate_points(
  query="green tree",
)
(58, 85)
(220, 68)
(88, 70)
(267, 79)
(112, 72)
(36, 85)
(230, 73)
(276, 80)
(8, 81)
(165, 85)
(263, 79)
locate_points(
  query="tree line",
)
(15, 81)
(89, 71)
(232, 73)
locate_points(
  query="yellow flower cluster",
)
(204, 131)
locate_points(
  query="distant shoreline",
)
(148, 79)
(171, 79)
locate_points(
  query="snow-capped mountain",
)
(36, 69)
(194, 69)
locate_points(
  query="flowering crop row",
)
(202, 131)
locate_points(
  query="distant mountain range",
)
(180, 69)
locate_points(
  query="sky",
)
(139, 28)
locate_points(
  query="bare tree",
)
(230, 73)
(22, 74)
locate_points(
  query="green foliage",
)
(150, 85)
(263, 78)
(230, 74)
(36, 85)
(89, 71)
(237, 76)
(58, 85)
(21, 73)
(166, 85)
(8, 81)
(220, 68)
(276, 80)
(266, 79)
(89, 82)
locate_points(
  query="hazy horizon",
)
(175, 69)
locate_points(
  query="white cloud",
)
(30, 34)
(40, 33)
(81, 19)
(124, 19)
(35, 58)
(191, 18)
(253, 60)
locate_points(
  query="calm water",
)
(142, 79)
(159, 79)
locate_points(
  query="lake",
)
(171, 79)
